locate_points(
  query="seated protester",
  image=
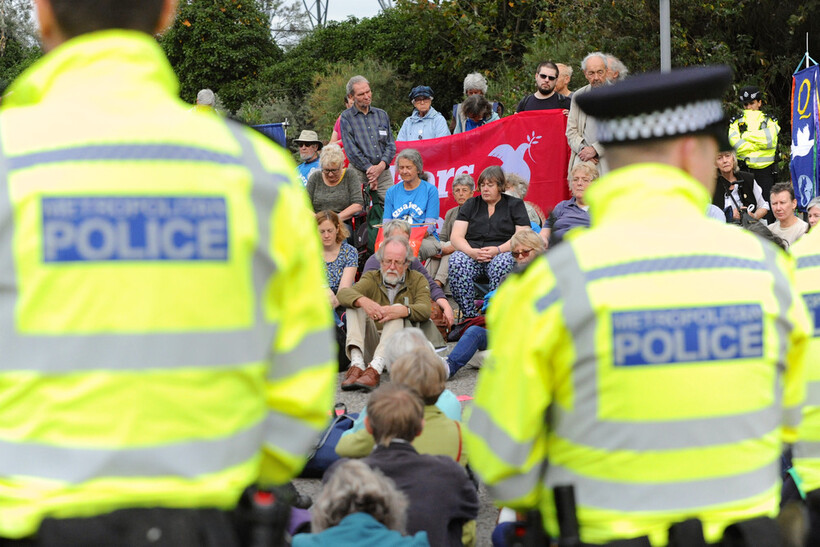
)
(525, 245)
(736, 188)
(381, 303)
(571, 212)
(477, 111)
(359, 506)
(341, 258)
(395, 228)
(481, 236)
(334, 188)
(463, 189)
(414, 200)
(813, 209)
(787, 226)
(425, 122)
(442, 497)
(474, 84)
(405, 341)
(309, 146)
(518, 187)
(421, 371)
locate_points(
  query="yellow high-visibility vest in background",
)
(654, 362)
(806, 451)
(758, 144)
(164, 339)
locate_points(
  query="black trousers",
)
(765, 178)
(152, 527)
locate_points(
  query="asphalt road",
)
(462, 384)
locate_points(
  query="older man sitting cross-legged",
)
(381, 303)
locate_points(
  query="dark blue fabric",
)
(472, 341)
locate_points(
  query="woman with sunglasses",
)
(571, 212)
(334, 188)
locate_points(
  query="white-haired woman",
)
(332, 188)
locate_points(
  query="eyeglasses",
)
(393, 262)
(523, 253)
(421, 99)
(306, 144)
(548, 77)
(331, 171)
(595, 72)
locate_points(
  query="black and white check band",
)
(680, 120)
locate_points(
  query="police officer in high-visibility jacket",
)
(806, 451)
(753, 135)
(653, 362)
(162, 341)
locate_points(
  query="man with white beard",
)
(381, 303)
(581, 131)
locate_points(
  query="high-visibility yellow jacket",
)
(758, 144)
(806, 451)
(653, 361)
(163, 338)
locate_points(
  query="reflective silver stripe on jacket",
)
(582, 425)
(117, 352)
(35, 352)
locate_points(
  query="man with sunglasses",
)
(545, 97)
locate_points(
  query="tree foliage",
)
(18, 42)
(222, 45)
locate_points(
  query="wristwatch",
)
(408, 311)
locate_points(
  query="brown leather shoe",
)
(369, 380)
(353, 374)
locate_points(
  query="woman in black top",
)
(481, 236)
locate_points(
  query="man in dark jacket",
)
(442, 498)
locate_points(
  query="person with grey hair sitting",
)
(415, 200)
(463, 189)
(421, 370)
(398, 227)
(474, 84)
(359, 506)
(381, 303)
(332, 188)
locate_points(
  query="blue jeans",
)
(473, 340)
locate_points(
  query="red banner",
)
(531, 144)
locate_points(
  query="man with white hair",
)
(381, 303)
(616, 71)
(205, 101)
(581, 131)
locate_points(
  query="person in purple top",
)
(571, 212)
